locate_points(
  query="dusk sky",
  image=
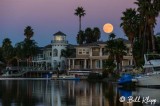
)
(47, 17)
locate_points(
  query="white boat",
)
(151, 76)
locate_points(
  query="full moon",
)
(108, 28)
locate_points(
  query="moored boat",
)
(127, 80)
(151, 76)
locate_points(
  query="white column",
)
(73, 63)
(100, 51)
(90, 51)
(131, 62)
(122, 62)
(84, 63)
(69, 64)
(101, 63)
(90, 63)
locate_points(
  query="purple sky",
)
(49, 16)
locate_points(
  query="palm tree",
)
(116, 49)
(149, 9)
(110, 44)
(89, 35)
(129, 24)
(112, 36)
(7, 50)
(80, 37)
(80, 12)
(28, 32)
(30, 48)
(96, 34)
(120, 51)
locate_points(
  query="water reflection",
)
(65, 93)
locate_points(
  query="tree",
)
(129, 24)
(92, 35)
(96, 34)
(7, 50)
(67, 52)
(80, 12)
(1, 56)
(30, 48)
(149, 10)
(110, 44)
(19, 47)
(120, 51)
(28, 32)
(89, 38)
(108, 67)
(80, 37)
(116, 49)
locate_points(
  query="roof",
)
(59, 33)
(92, 44)
(124, 40)
(48, 46)
(102, 42)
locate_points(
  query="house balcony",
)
(59, 41)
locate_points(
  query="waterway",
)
(73, 93)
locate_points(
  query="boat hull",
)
(149, 81)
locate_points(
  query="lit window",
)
(58, 38)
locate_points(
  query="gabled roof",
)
(59, 33)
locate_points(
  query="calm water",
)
(68, 93)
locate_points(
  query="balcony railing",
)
(59, 41)
(95, 54)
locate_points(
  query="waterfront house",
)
(91, 56)
(86, 56)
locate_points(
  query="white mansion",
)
(86, 56)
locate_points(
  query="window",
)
(95, 51)
(87, 51)
(83, 51)
(63, 53)
(79, 51)
(98, 64)
(55, 52)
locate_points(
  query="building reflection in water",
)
(66, 93)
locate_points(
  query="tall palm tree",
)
(80, 12)
(149, 9)
(129, 24)
(28, 32)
